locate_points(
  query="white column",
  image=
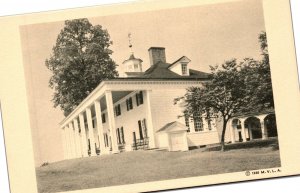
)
(63, 141)
(152, 140)
(192, 126)
(243, 130)
(99, 126)
(91, 131)
(72, 140)
(205, 123)
(77, 139)
(250, 131)
(111, 121)
(84, 146)
(264, 131)
(232, 132)
(67, 137)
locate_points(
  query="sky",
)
(207, 35)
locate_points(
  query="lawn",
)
(144, 166)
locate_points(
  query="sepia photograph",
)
(151, 96)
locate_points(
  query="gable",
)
(174, 126)
(180, 66)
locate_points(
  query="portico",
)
(107, 120)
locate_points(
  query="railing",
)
(140, 144)
(121, 147)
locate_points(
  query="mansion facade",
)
(137, 111)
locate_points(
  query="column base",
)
(105, 151)
(115, 151)
(128, 148)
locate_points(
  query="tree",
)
(223, 95)
(80, 60)
(257, 76)
(233, 89)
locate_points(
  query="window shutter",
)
(130, 103)
(118, 136)
(140, 130)
(123, 137)
(141, 97)
(137, 99)
(119, 108)
(103, 118)
(127, 105)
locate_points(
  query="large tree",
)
(80, 60)
(233, 89)
(222, 96)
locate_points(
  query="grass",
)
(145, 166)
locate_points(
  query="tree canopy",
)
(80, 60)
(234, 88)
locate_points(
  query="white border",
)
(289, 184)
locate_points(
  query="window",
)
(136, 66)
(120, 135)
(209, 124)
(118, 110)
(139, 98)
(105, 140)
(143, 131)
(187, 122)
(103, 118)
(129, 104)
(198, 122)
(184, 68)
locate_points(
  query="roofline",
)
(156, 79)
(177, 61)
(119, 79)
(251, 114)
(83, 101)
(133, 59)
(162, 48)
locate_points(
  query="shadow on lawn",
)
(272, 143)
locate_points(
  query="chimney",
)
(156, 55)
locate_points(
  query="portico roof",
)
(174, 126)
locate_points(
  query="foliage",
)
(223, 95)
(80, 60)
(233, 89)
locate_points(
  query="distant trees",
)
(258, 79)
(80, 60)
(234, 88)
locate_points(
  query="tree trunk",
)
(223, 135)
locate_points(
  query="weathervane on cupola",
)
(130, 44)
(132, 65)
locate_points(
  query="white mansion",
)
(137, 111)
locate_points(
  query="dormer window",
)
(184, 68)
(180, 66)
